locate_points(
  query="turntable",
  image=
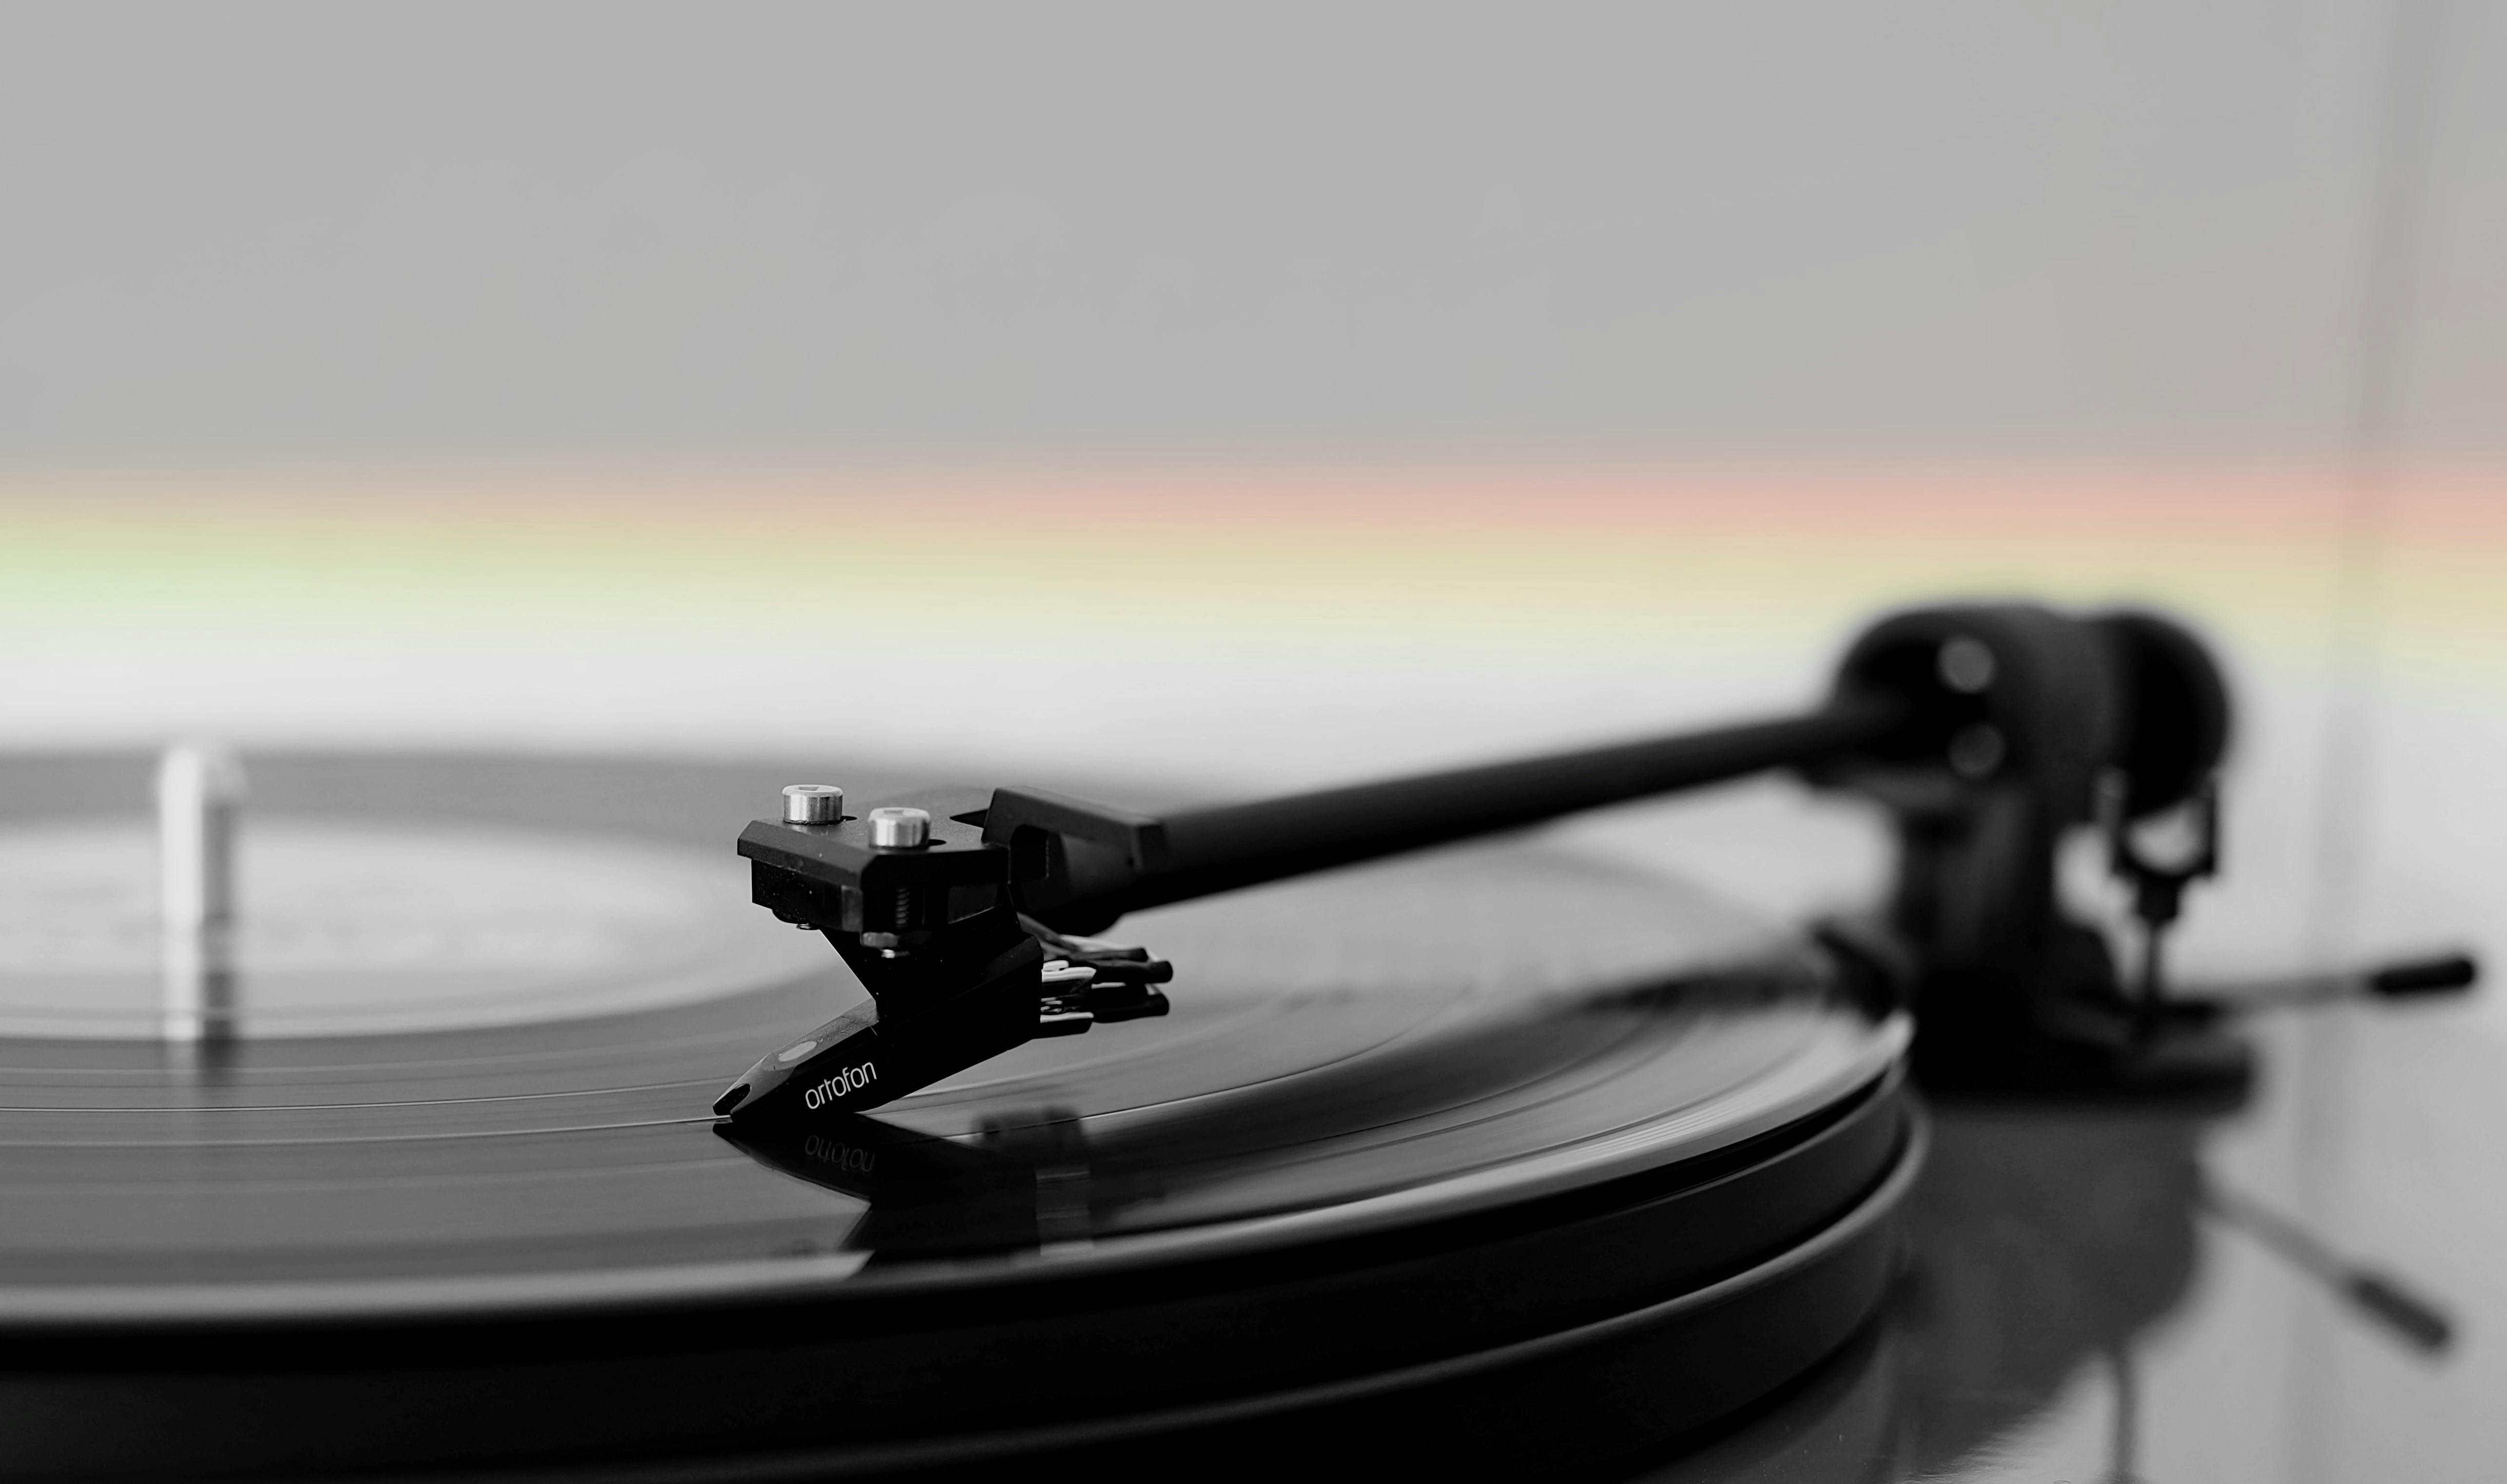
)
(393, 1124)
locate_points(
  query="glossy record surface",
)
(1403, 1043)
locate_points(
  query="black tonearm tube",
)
(1987, 731)
(1090, 865)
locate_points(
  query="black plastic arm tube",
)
(1114, 862)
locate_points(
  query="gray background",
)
(247, 235)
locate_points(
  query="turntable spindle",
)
(199, 795)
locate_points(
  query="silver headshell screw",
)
(813, 804)
(899, 829)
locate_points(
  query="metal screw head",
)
(813, 804)
(899, 829)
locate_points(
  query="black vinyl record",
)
(1501, 1144)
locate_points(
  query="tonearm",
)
(1989, 732)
